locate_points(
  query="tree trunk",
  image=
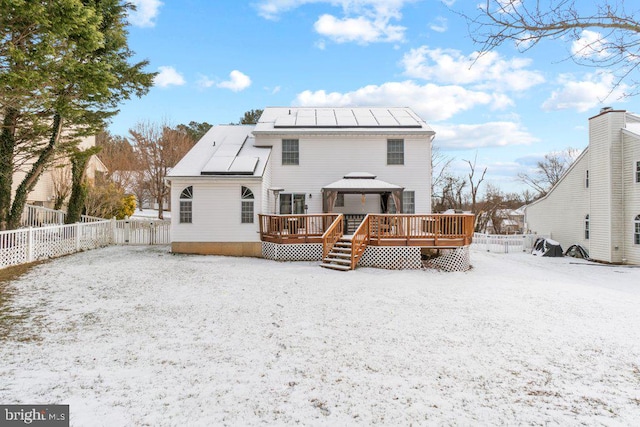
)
(31, 179)
(7, 146)
(75, 206)
(160, 201)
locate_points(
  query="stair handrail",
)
(332, 235)
(359, 241)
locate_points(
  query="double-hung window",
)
(586, 227)
(637, 171)
(636, 230)
(395, 151)
(186, 207)
(290, 152)
(246, 213)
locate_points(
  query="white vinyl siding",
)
(217, 212)
(327, 159)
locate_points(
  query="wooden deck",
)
(428, 230)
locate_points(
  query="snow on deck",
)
(138, 336)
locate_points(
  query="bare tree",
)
(614, 45)
(549, 170)
(440, 165)
(473, 184)
(158, 147)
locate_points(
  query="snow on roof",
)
(633, 124)
(365, 184)
(349, 119)
(224, 150)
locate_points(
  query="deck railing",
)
(295, 228)
(332, 235)
(437, 230)
(359, 241)
(426, 230)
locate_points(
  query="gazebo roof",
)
(364, 183)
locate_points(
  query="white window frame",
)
(395, 151)
(291, 156)
(293, 197)
(246, 205)
(637, 172)
(636, 230)
(185, 215)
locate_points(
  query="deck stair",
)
(340, 256)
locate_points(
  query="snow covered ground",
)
(138, 336)
(150, 214)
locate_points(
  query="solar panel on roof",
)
(285, 121)
(326, 120)
(243, 165)
(306, 121)
(217, 165)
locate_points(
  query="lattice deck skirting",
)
(391, 257)
(451, 260)
(292, 252)
(388, 257)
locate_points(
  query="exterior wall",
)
(561, 213)
(216, 208)
(631, 150)
(605, 145)
(252, 249)
(327, 158)
(43, 193)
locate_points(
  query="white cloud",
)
(489, 71)
(491, 134)
(168, 76)
(363, 21)
(237, 82)
(145, 14)
(205, 82)
(439, 25)
(590, 44)
(360, 30)
(430, 101)
(584, 94)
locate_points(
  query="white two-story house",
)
(597, 202)
(243, 185)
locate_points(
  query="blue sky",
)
(218, 59)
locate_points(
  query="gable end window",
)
(395, 151)
(586, 227)
(290, 152)
(186, 207)
(246, 213)
(637, 171)
(636, 230)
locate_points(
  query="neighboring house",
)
(510, 221)
(44, 193)
(597, 202)
(298, 161)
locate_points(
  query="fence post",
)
(77, 226)
(30, 244)
(114, 238)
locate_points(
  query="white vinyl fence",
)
(33, 244)
(504, 243)
(38, 216)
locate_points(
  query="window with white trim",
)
(408, 203)
(290, 152)
(246, 215)
(395, 151)
(586, 227)
(186, 205)
(291, 203)
(637, 171)
(636, 230)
